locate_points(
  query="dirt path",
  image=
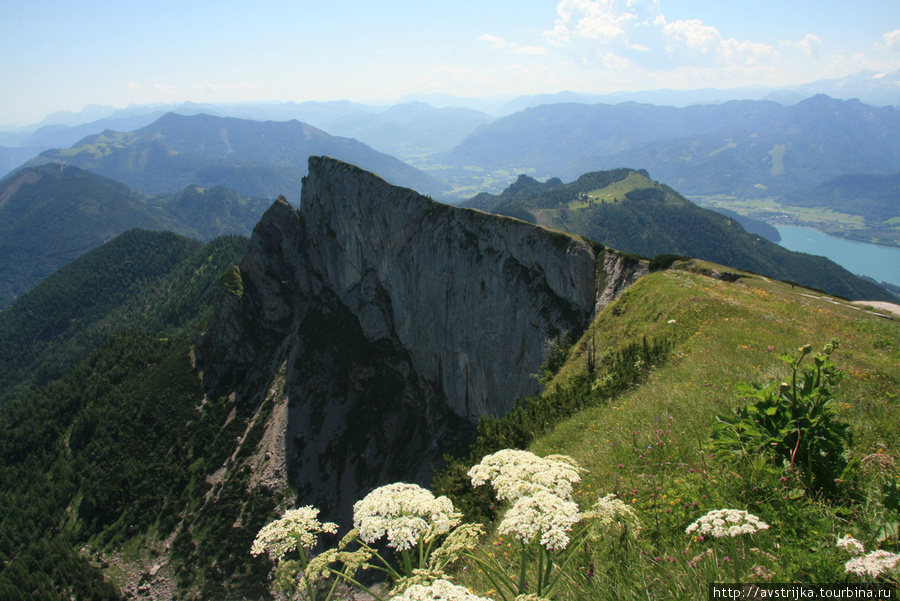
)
(892, 307)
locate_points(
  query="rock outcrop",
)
(395, 322)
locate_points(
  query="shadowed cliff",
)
(387, 323)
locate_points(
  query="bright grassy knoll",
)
(650, 447)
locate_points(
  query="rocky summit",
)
(377, 326)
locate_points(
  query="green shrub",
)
(793, 423)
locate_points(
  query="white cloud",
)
(892, 39)
(600, 20)
(693, 33)
(809, 45)
(133, 86)
(497, 42)
(638, 31)
(530, 50)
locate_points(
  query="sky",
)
(62, 55)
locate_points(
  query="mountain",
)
(874, 197)
(255, 158)
(52, 214)
(150, 281)
(381, 311)
(12, 157)
(740, 148)
(871, 87)
(356, 342)
(360, 336)
(627, 210)
(410, 130)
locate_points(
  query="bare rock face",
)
(395, 322)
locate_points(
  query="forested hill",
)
(150, 281)
(625, 209)
(52, 214)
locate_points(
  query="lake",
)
(882, 263)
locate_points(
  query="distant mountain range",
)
(410, 130)
(740, 148)
(628, 211)
(52, 214)
(256, 158)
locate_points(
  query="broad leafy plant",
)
(793, 422)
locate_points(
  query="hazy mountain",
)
(741, 148)
(871, 87)
(255, 158)
(626, 210)
(11, 158)
(875, 197)
(52, 214)
(410, 130)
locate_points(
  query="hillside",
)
(651, 444)
(52, 214)
(874, 197)
(627, 210)
(255, 158)
(149, 281)
(739, 148)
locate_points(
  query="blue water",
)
(881, 263)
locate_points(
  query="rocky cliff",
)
(391, 322)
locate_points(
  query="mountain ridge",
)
(627, 210)
(257, 158)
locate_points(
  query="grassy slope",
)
(647, 445)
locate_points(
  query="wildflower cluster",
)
(514, 474)
(439, 589)
(873, 565)
(542, 514)
(541, 491)
(851, 545)
(297, 528)
(405, 514)
(723, 523)
(611, 515)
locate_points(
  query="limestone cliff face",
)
(395, 322)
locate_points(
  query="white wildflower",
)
(851, 545)
(721, 523)
(515, 474)
(298, 527)
(439, 589)
(544, 514)
(612, 515)
(404, 513)
(872, 565)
